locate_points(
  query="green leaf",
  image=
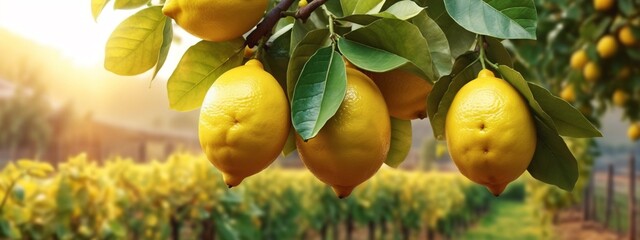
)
(497, 53)
(167, 37)
(438, 44)
(568, 120)
(308, 45)
(350, 7)
(300, 30)
(400, 142)
(402, 10)
(439, 118)
(369, 58)
(129, 4)
(318, 92)
(276, 60)
(440, 87)
(134, 46)
(594, 27)
(290, 144)
(368, 6)
(383, 34)
(515, 19)
(198, 69)
(517, 81)
(96, 8)
(460, 40)
(335, 7)
(552, 161)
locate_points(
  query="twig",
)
(265, 27)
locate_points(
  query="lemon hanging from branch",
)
(216, 20)
(490, 132)
(244, 122)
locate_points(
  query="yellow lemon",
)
(244, 122)
(568, 93)
(603, 5)
(591, 72)
(626, 36)
(607, 46)
(579, 59)
(302, 3)
(620, 97)
(404, 92)
(490, 132)
(216, 20)
(354, 143)
(634, 132)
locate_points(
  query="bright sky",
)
(67, 25)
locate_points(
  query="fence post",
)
(632, 197)
(609, 201)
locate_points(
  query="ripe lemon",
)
(490, 132)
(607, 46)
(216, 20)
(634, 132)
(354, 143)
(404, 92)
(244, 122)
(568, 93)
(620, 97)
(603, 5)
(579, 59)
(591, 72)
(626, 36)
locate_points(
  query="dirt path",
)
(570, 226)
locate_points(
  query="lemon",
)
(579, 59)
(302, 3)
(634, 132)
(216, 20)
(603, 5)
(244, 122)
(591, 72)
(568, 93)
(354, 143)
(404, 92)
(490, 132)
(607, 46)
(620, 97)
(626, 36)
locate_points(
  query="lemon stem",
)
(261, 46)
(480, 44)
(331, 28)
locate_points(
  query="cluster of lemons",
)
(610, 64)
(245, 117)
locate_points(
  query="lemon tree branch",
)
(265, 27)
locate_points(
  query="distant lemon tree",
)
(354, 74)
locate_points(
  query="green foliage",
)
(186, 195)
(500, 19)
(400, 142)
(135, 46)
(319, 92)
(431, 39)
(198, 69)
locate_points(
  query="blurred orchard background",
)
(86, 154)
